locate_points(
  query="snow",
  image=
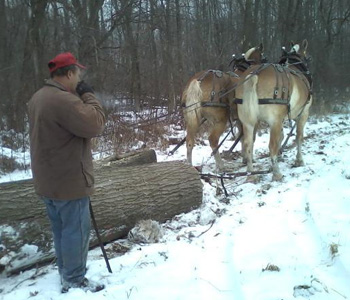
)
(16, 175)
(265, 241)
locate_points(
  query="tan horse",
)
(206, 98)
(274, 93)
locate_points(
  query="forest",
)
(144, 51)
(139, 56)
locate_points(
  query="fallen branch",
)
(211, 225)
(232, 175)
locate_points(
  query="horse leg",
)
(281, 138)
(244, 152)
(274, 146)
(299, 138)
(243, 147)
(254, 136)
(191, 130)
(280, 143)
(216, 132)
(240, 135)
(248, 145)
(248, 113)
(189, 147)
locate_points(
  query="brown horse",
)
(273, 93)
(206, 98)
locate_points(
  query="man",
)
(63, 116)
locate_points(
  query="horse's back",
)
(282, 85)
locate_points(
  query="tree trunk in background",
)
(3, 59)
(248, 26)
(113, 38)
(168, 59)
(87, 13)
(292, 21)
(179, 79)
(131, 51)
(154, 49)
(124, 195)
(30, 75)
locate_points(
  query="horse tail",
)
(191, 101)
(250, 105)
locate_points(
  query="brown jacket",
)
(60, 127)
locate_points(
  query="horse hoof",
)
(298, 163)
(280, 159)
(253, 179)
(277, 177)
(220, 169)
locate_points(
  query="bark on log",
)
(138, 157)
(124, 195)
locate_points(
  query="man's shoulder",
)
(50, 83)
(49, 98)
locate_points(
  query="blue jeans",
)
(70, 223)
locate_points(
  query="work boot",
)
(85, 284)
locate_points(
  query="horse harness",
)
(213, 102)
(241, 65)
(281, 92)
(282, 72)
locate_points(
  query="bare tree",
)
(146, 50)
(30, 73)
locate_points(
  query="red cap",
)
(63, 60)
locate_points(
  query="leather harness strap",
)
(214, 104)
(266, 101)
(282, 74)
(275, 92)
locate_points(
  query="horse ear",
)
(261, 47)
(284, 51)
(305, 44)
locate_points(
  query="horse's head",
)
(253, 56)
(297, 57)
(236, 61)
(298, 48)
(299, 51)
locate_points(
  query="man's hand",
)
(83, 87)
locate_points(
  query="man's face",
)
(74, 78)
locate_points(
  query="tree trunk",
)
(248, 26)
(124, 195)
(131, 48)
(30, 77)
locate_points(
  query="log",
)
(124, 195)
(135, 158)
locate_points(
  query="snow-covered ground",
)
(265, 241)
